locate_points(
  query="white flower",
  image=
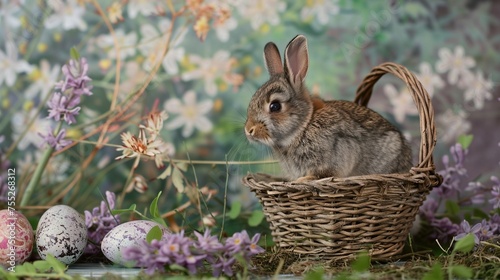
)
(10, 66)
(319, 9)
(478, 89)
(222, 30)
(259, 12)
(67, 14)
(44, 79)
(456, 63)
(54, 172)
(209, 70)
(126, 42)
(10, 13)
(402, 102)
(452, 124)
(190, 114)
(429, 80)
(143, 7)
(20, 122)
(152, 44)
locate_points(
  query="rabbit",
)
(313, 138)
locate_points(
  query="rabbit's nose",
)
(250, 131)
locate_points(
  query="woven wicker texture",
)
(335, 218)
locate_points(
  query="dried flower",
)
(201, 28)
(136, 146)
(115, 12)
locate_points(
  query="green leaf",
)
(58, 266)
(465, 140)
(120, 211)
(315, 274)
(177, 180)
(436, 273)
(26, 268)
(478, 213)
(462, 271)
(256, 218)
(415, 10)
(154, 233)
(362, 262)
(465, 244)
(74, 53)
(235, 210)
(153, 208)
(452, 207)
(42, 266)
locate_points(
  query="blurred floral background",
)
(165, 85)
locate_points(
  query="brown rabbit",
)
(313, 138)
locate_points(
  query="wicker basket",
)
(336, 218)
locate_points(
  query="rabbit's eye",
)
(275, 106)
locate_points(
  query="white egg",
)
(126, 235)
(62, 233)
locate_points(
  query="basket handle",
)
(422, 101)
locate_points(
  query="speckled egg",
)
(16, 238)
(62, 233)
(126, 235)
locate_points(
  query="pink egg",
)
(16, 238)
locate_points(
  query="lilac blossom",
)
(191, 254)
(60, 105)
(495, 192)
(477, 189)
(429, 208)
(452, 174)
(147, 255)
(76, 78)
(494, 223)
(100, 221)
(444, 229)
(55, 141)
(465, 229)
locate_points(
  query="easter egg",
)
(62, 233)
(126, 235)
(16, 238)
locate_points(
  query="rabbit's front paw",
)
(306, 178)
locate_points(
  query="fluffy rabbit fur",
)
(313, 138)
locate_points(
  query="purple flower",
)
(56, 141)
(236, 243)
(100, 221)
(444, 229)
(223, 265)
(478, 192)
(60, 105)
(181, 250)
(207, 243)
(494, 223)
(429, 208)
(253, 248)
(76, 79)
(146, 255)
(452, 175)
(466, 229)
(495, 192)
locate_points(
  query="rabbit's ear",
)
(296, 60)
(273, 59)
